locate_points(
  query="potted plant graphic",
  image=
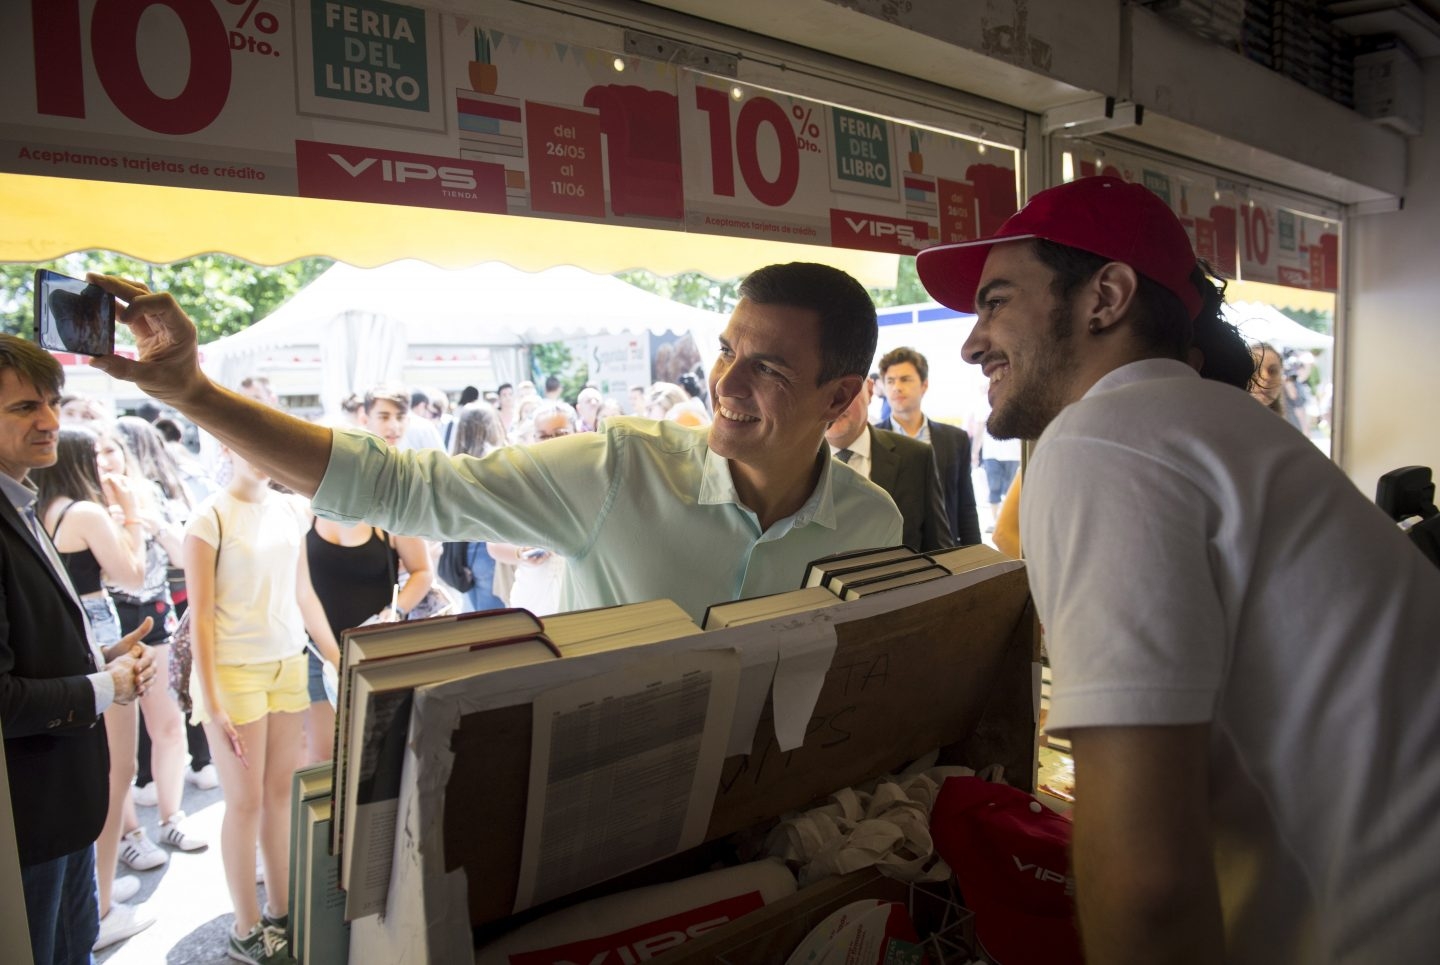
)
(483, 76)
(917, 160)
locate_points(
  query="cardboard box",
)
(948, 664)
(951, 672)
(769, 935)
(1388, 87)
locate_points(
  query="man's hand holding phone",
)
(167, 368)
(73, 315)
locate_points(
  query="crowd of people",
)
(145, 531)
(1169, 526)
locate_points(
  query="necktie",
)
(844, 455)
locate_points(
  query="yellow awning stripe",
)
(45, 218)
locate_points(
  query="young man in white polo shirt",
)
(1246, 651)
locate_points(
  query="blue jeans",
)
(481, 596)
(999, 474)
(104, 621)
(62, 908)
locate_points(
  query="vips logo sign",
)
(878, 232)
(344, 172)
(641, 943)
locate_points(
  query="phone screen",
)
(73, 315)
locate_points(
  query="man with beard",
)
(741, 506)
(1243, 647)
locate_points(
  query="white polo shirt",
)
(1195, 559)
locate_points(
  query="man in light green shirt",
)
(640, 511)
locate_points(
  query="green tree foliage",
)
(555, 358)
(222, 294)
(907, 290)
(688, 288)
(702, 291)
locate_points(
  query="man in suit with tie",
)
(906, 376)
(901, 466)
(54, 683)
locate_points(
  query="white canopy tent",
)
(957, 389)
(1260, 322)
(363, 320)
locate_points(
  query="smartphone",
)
(73, 315)
(534, 554)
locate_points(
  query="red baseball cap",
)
(1105, 216)
(1010, 855)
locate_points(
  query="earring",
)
(1094, 326)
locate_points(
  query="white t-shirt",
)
(1194, 559)
(421, 433)
(537, 586)
(860, 460)
(1001, 450)
(257, 614)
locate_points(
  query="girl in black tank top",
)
(352, 582)
(83, 567)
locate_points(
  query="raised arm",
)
(415, 556)
(291, 451)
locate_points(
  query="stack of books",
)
(380, 667)
(850, 576)
(319, 934)
(344, 823)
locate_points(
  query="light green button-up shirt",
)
(641, 511)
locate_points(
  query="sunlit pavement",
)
(186, 897)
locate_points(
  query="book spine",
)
(342, 725)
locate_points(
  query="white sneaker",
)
(124, 888)
(122, 922)
(145, 795)
(139, 852)
(173, 833)
(205, 779)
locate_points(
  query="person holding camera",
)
(754, 487)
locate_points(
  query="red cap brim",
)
(951, 273)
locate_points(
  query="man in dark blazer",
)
(53, 686)
(902, 467)
(905, 375)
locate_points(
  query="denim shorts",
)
(104, 621)
(315, 681)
